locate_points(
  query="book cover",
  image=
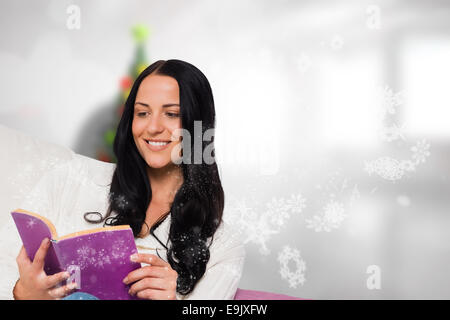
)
(98, 259)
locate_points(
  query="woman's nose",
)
(155, 124)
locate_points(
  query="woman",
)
(156, 183)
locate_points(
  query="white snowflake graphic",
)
(332, 217)
(392, 169)
(386, 167)
(317, 223)
(31, 223)
(392, 133)
(296, 203)
(85, 252)
(420, 151)
(280, 211)
(120, 200)
(118, 249)
(101, 260)
(334, 213)
(296, 277)
(258, 228)
(389, 100)
(86, 256)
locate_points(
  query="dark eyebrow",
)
(164, 105)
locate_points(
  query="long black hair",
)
(197, 208)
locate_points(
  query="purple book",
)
(97, 259)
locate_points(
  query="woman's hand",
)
(34, 283)
(157, 281)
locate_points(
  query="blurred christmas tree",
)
(140, 35)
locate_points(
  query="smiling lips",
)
(157, 145)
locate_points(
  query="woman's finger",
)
(62, 291)
(152, 283)
(151, 259)
(39, 257)
(57, 278)
(147, 271)
(22, 259)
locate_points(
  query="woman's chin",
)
(160, 164)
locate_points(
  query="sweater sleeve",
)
(224, 269)
(43, 199)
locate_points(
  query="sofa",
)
(25, 159)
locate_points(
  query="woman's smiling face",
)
(156, 117)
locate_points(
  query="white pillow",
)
(24, 159)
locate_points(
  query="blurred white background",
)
(333, 134)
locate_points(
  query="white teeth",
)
(157, 143)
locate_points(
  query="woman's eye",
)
(169, 114)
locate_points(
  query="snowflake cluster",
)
(120, 200)
(331, 218)
(420, 151)
(390, 100)
(392, 133)
(102, 259)
(259, 228)
(387, 167)
(296, 277)
(119, 248)
(87, 255)
(282, 208)
(392, 169)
